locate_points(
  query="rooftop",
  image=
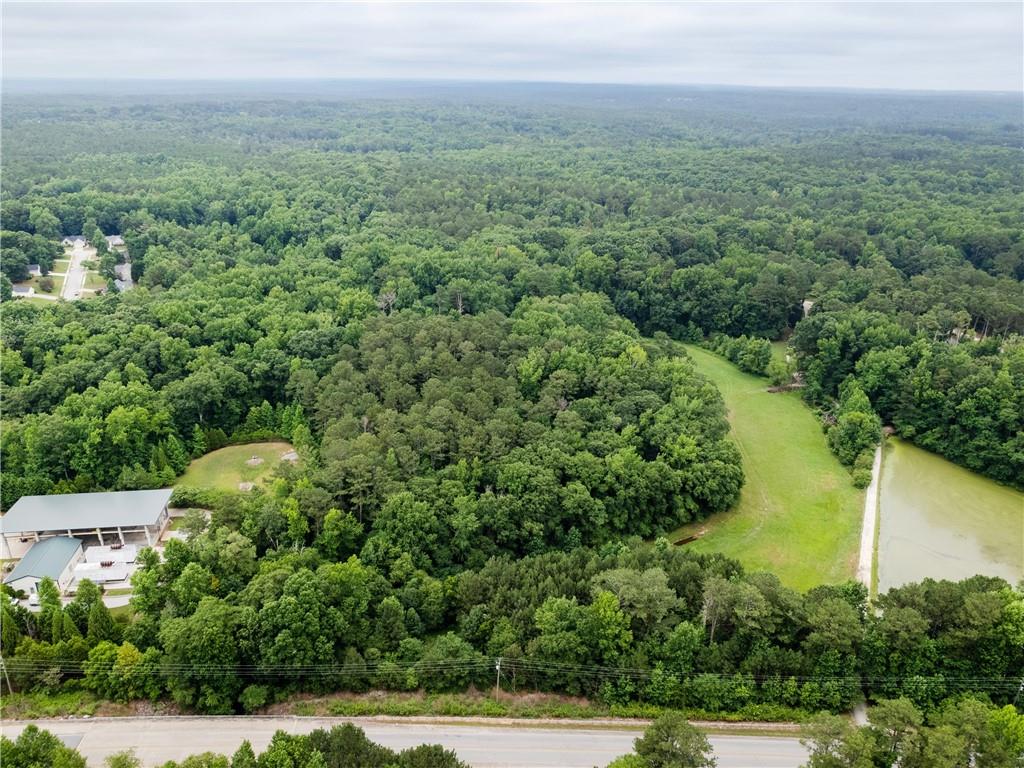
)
(48, 557)
(79, 511)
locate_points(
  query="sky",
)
(897, 45)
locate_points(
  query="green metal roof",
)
(48, 557)
(82, 511)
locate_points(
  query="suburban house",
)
(106, 517)
(55, 557)
(72, 241)
(22, 290)
(35, 270)
(115, 241)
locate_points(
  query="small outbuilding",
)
(56, 558)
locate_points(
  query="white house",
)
(75, 241)
(56, 558)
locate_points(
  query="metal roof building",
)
(55, 557)
(86, 514)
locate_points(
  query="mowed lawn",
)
(798, 516)
(225, 468)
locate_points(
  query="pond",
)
(939, 520)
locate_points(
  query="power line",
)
(516, 665)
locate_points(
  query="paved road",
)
(75, 279)
(157, 740)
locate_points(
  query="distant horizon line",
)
(105, 81)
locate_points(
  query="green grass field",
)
(94, 280)
(798, 515)
(38, 301)
(224, 469)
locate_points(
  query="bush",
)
(864, 460)
(861, 478)
(185, 497)
(46, 284)
(254, 697)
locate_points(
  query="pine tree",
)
(177, 456)
(197, 445)
(101, 625)
(244, 756)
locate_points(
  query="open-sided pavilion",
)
(107, 516)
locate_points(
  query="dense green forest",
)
(456, 303)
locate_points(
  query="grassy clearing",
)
(798, 516)
(94, 280)
(224, 469)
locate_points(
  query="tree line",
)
(228, 623)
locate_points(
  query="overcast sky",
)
(924, 45)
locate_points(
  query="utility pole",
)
(3, 665)
(497, 681)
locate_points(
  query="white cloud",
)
(948, 46)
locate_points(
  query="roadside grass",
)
(33, 705)
(798, 515)
(505, 705)
(225, 468)
(94, 280)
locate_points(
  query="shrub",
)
(254, 697)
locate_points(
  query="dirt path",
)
(867, 531)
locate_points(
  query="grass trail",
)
(798, 515)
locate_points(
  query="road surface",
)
(74, 281)
(158, 739)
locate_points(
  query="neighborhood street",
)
(574, 745)
(74, 282)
